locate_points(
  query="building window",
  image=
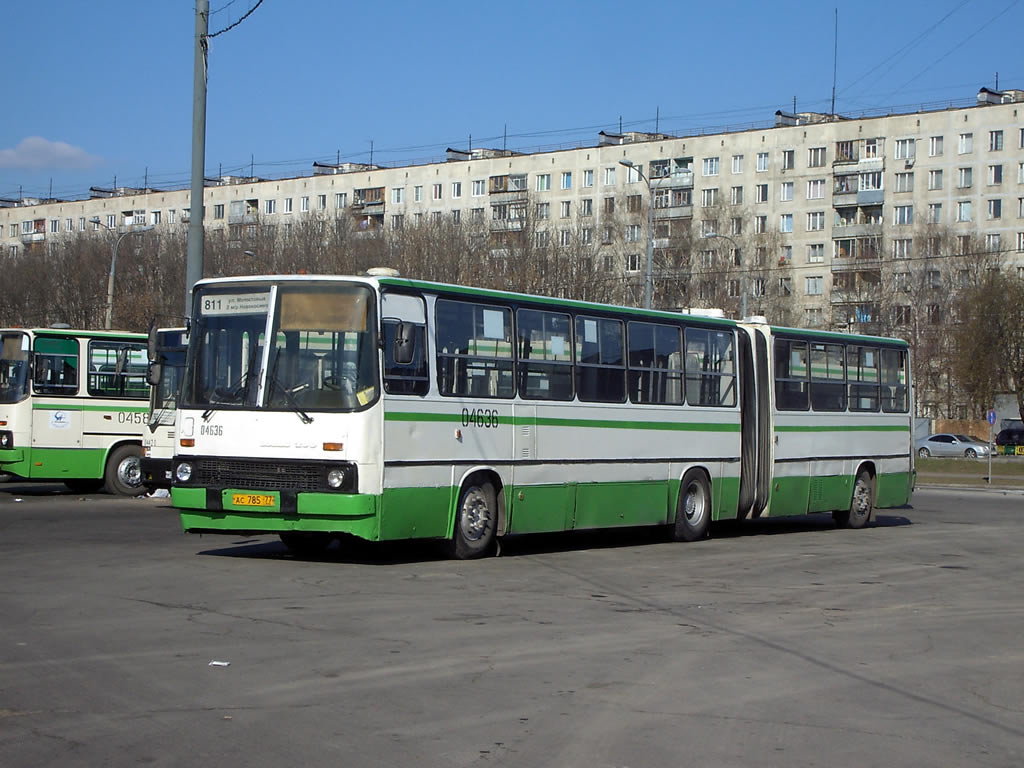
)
(541, 238)
(901, 248)
(633, 262)
(1020, 242)
(813, 286)
(632, 233)
(871, 180)
(588, 178)
(816, 253)
(708, 197)
(812, 317)
(965, 178)
(761, 193)
(587, 206)
(567, 180)
(737, 226)
(760, 225)
(995, 174)
(992, 242)
(564, 237)
(287, 205)
(736, 196)
(543, 182)
(965, 143)
(995, 141)
(785, 255)
(786, 222)
(815, 221)
(904, 149)
(710, 166)
(566, 206)
(762, 162)
(816, 189)
(963, 210)
(934, 213)
(397, 195)
(737, 163)
(870, 148)
(438, 191)
(788, 159)
(786, 191)
(218, 211)
(479, 188)
(586, 236)
(995, 208)
(816, 157)
(903, 214)
(935, 146)
(321, 202)
(340, 200)
(905, 182)
(456, 190)
(270, 207)
(609, 176)
(417, 193)
(397, 221)
(543, 211)
(935, 179)
(54, 225)
(304, 204)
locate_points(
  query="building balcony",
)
(507, 225)
(509, 196)
(243, 218)
(674, 212)
(856, 230)
(867, 264)
(33, 237)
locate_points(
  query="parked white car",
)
(949, 444)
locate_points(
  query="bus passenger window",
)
(411, 379)
(544, 353)
(655, 363)
(828, 377)
(862, 374)
(894, 381)
(600, 360)
(791, 388)
(710, 368)
(474, 349)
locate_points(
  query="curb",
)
(981, 489)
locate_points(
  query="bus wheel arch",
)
(478, 515)
(693, 506)
(862, 500)
(122, 474)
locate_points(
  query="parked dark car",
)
(1013, 436)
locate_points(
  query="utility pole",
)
(194, 265)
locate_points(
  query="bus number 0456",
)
(479, 417)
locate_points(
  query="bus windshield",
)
(165, 393)
(322, 355)
(14, 357)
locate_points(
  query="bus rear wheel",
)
(123, 476)
(859, 513)
(693, 510)
(475, 521)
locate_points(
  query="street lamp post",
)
(113, 263)
(743, 274)
(648, 272)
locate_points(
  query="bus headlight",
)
(183, 472)
(336, 478)
(6, 439)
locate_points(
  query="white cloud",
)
(37, 152)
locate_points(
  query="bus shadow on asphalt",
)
(358, 552)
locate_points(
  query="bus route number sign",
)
(234, 304)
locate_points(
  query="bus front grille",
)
(261, 475)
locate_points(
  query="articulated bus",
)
(166, 348)
(387, 408)
(73, 406)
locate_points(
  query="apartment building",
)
(813, 206)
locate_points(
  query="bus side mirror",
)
(405, 343)
(153, 373)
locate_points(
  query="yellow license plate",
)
(253, 500)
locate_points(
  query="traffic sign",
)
(992, 417)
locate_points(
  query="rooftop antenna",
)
(504, 138)
(252, 162)
(997, 81)
(145, 179)
(794, 105)
(620, 125)
(657, 118)
(338, 161)
(371, 151)
(471, 144)
(50, 195)
(835, 61)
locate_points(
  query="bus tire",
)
(84, 485)
(475, 521)
(123, 475)
(859, 513)
(693, 508)
(306, 543)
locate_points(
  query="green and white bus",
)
(73, 406)
(387, 408)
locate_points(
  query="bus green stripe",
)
(846, 428)
(681, 426)
(78, 407)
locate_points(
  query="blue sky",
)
(102, 90)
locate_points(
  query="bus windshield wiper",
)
(288, 396)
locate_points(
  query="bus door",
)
(57, 415)
(756, 458)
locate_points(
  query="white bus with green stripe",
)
(73, 407)
(387, 408)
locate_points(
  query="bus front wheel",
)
(859, 513)
(123, 476)
(474, 521)
(693, 510)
